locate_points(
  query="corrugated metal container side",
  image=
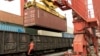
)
(11, 18)
(49, 33)
(11, 27)
(38, 18)
(67, 35)
(31, 31)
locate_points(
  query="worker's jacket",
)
(31, 46)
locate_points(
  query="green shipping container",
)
(31, 31)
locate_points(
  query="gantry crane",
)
(86, 25)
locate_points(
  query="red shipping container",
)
(11, 18)
(37, 18)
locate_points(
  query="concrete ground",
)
(55, 54)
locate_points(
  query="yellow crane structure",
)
(49, 4)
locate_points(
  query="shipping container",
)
(10, 18)
(67, 35)
(11, 27)
(31, 31)
(49, 33)
(35, 17)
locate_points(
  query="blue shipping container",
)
(67, 35)
(11, 27)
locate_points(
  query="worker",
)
(31, 48)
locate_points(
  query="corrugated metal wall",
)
(11, 18)
(67, 35)
(43, 20)
(31, 31)
(11, 27)
(49, 33)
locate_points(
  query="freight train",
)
(16, 44)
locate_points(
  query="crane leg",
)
(85, 42)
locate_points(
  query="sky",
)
(14, 7)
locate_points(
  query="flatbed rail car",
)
(16, 44)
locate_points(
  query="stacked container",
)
(11, 22)
(10, 18)
(67, 35)
(11, 27)
(31, 31)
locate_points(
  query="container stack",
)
(67, 35)
(11, 27)
(34, 17)
(49, 33)
(11, 22)
(31, 31)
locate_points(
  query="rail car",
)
(16, 44)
